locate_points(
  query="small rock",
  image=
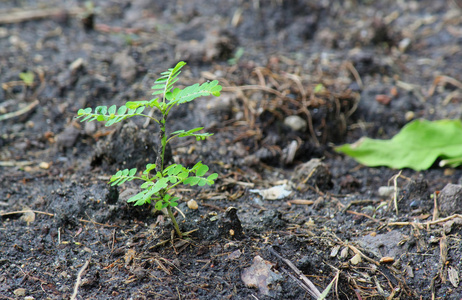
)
(450, 199)
(296, 123)
(404, 44)
(386, 191)
(192, 204)
(44, 165)
(314, 173)
(381, 245)
(235, 254)
(76, 64)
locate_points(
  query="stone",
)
(296, 123)
(450, 199)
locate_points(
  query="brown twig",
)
(302, 280)
(51, 215)
(363, 215)
(29, 15)
(19, 112)
(426, 223)
(79, 278)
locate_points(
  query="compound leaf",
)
(111, 115)
(194, 91)
(164, 84)
(417, 146)
(191, 132)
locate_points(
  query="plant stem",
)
(160, 167)
(172, 217)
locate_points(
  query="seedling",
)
(27, 78)
(158, 187)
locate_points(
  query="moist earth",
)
(288, 215)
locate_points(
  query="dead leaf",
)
(453, 275)
(356, 259)
(129, 256)
(260, 275)
(28, 216)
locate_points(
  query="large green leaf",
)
(416, 146)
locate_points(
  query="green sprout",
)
(158, 178)
(27, 78)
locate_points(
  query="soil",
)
(339, 69)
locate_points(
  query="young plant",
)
(158, 178)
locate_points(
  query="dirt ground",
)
(299, 77)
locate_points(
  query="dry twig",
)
(302, 280)
(79, 279)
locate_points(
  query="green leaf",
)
(160, 184)
(122, 110)
(149, 168)
(193, 180)
(196, 166)
(164, 84)
(111, 115)
(212, 177)
(194, 91)
(27, 77)
(155, 103)
(112, 109)
(202, 170)
(183, 175)
(147, 185)
(158, 205)
(122, 176)
(137, 197)
(102, 110)
(132, 172)
(416, 146)
(135, 104)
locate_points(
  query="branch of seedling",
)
(157, 188)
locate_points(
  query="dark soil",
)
(345, 69)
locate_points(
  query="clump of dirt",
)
(299, 77)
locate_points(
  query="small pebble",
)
(192, 204)
(44, 165)
(386, 191)
(409, 115)
(296, 123)
(404, 44)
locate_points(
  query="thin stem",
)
(160, 167)
(163, 141)
(175, 224)
(150, 117)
